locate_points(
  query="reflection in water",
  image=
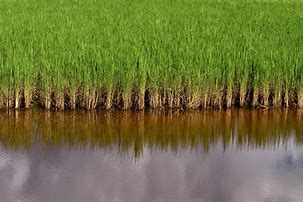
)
(122, 156)
(134, 131)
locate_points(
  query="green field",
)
(66, 54)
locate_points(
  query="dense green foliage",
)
(76, 48)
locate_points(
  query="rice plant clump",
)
(97, 54)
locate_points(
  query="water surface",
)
(229, 155)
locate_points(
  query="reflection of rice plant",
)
(103, 54)
(132, 132)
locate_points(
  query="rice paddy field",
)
(135, 54)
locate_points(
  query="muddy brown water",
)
(232, 155)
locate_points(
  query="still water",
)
(230, 155)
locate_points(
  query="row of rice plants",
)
(136, 54)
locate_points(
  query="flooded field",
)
(233, 155)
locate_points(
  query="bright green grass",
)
(149, 44)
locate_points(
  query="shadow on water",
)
(129, 132)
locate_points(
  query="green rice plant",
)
(135, 54)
